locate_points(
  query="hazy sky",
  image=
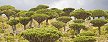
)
(86, 4)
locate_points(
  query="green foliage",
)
(29, 13)
(58, 24)
(24, 20)
(33, 9)
(58, 11)
(40, 17)
(42, 6)
(87, 33)
(6, 7)
(64, 19)
(50, 13)
(106, 29)
(98, 13)
(16, 13)
(54, 9)
(47, 34)
(78, 21)
(84, 39)
(42, 11)
(22, 13)
(98, 22)
(67, 11)
(10, 38)
(16, 10)
(39, 7)
(9, 13)
(76, 27)
(1, 30)
(13, 22)
(1, 12)
(80, 14)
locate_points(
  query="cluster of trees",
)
(44, 13)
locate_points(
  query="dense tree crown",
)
(58, 24)
(58, 11)
(40, 17)
(47, 34)
(9, 13)
(98, 13)
(98, 22)
(39, 7)
(24, 21)
(22, 13)
(76, 27)
(67, 11)
(13, 22)
(88, 33)
(64, 19)
(42, 7)
(85, 39)
(80, 14)
(29, 13)
(50, 13)
(78, 21)
(6, 7)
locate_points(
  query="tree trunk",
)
(65, 27)
(99, 30)
(47, 22)
(24, 27)
(14, 28)
(38, 25)
(99, 17)
(8, 18)
(31, 23)
(77, 31)
(3, 26)
(14, 16)
(88, 18)
(75, 18)
(93, 17)
(61, 39)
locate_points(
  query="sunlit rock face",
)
(3, 15)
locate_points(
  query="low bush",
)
(87, 33)
(84, 39)
(46, 34)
